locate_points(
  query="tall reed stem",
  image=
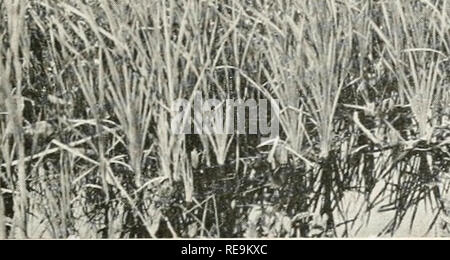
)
(2, 217)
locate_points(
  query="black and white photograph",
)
(230, 120)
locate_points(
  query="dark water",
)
(7, 200)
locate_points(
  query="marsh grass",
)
(88, 96)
